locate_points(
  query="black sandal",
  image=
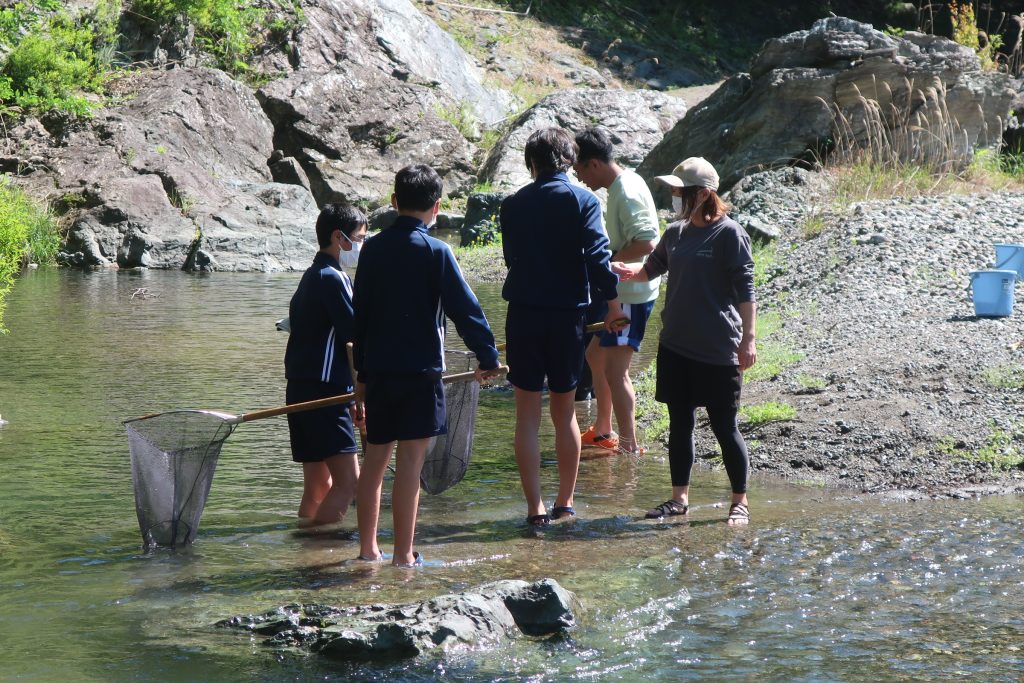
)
(670, 508)
(738, 514)
(538, 520)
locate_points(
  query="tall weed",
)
(27, 233)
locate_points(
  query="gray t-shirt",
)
(711, 271)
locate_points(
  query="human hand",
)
(359, 417)
(615, 320)
(357, 411)
(747, 353)
(624, 271)
(482, 375)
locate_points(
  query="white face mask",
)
(677, 204)
(349, 259)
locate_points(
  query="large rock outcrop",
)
(636, 119)
(176, 177)
(481, 617)
(377, 85)
(785, 108)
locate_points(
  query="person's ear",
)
(394, 202)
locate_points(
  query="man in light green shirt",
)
(631, 220)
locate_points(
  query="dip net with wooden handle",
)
(174, 455)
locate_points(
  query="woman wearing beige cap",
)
(707, 337)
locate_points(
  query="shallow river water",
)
(823, 586)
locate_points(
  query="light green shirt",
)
(631, 215)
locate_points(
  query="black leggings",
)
(681, 452)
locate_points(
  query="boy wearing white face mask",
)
(316, 366)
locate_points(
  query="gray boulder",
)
(481, 225)
(782, 110)
(637, 120)
(485, 616)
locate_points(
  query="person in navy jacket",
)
(557, 255)
(407, 285)
(316, 366)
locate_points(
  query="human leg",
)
(344, 473)
(316, 482)
(681, 450)
(602, 393)
(526, 444)
(368, 490)
(562, 407)
(623, 398)
(405, 496)
(735, 457)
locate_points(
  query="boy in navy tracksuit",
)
(407, 284)
(316, 366)
(557, 255)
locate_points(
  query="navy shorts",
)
(404, 407)
(544, 342)
(632, 334)
(318, 434)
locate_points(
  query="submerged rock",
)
(483, 616)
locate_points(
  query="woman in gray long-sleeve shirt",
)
(707, 337)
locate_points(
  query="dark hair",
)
(550, 150)
(337, 217)
(594, 143)
(417, 188)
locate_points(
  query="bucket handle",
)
(1009, 258)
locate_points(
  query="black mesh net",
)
(173, 457)
(448, 455)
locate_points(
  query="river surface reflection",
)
(823, 585)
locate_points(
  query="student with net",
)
(408, 283)
(321, 319)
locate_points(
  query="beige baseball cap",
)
(692, 172)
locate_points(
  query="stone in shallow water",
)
(486, 615)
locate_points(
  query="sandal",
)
(538, 520)
(738, 514)
(670, 508)
(559, 511)
(417, 561)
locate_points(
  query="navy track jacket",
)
(321, 318)
(555, 246)
(406, 285)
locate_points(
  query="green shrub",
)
(229, 30)
(52, 67)
(27, 233)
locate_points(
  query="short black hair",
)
(333, 217)
(417, 188)
(594, 143)
(550, 150)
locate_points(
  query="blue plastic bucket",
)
(1010, 257)
(993, 292)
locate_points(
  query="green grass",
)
(811, 382)
(766, 262)
(653, 416)
(763, 413)
(1002, 448)
(1005, 376)
(28, 233)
